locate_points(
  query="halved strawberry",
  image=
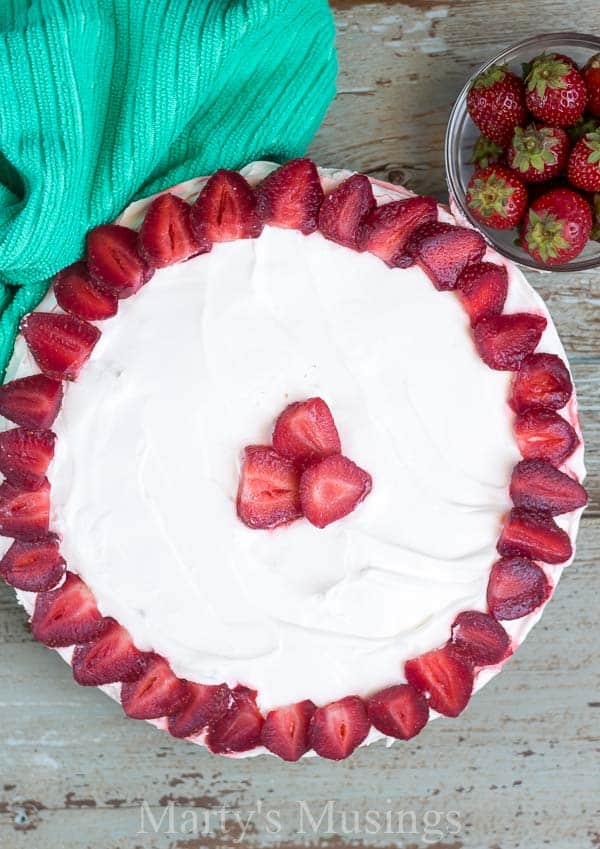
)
(503, 341)
(535, 534)
(536, 484)
(399, 711)
(443, 251)
(543, 381)
(306, 432)
(338, 728)
(291, 196)
(157, 692)
(166, 234)
(344, 211)
(31, 402)
(109, 658)
(516, 587)
(444, 677)
(207, 704)
(24, 514)
(388, 228)
(240, 728)
(25, 456)
(285, 732)
(545, 435)
(332, 488)
(33, 565)
(67, 615)
(269, 489)
(114, 262)
(482, 287)
(225, 210)
(77, 294)
(479, 638)
(60, 344)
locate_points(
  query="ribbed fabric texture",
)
(102, 101)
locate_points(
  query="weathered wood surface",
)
(520, 768)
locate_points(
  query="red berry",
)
(166, 235)
(338, 728)
(534, 534)
(399, 711)
(291, 196)
(33, 565)
(503, 341)
(516, 587)
(443, 251)
(208, 703)
(285, 732)
(25, 456)
(388, 228)
(537, 485)
(32, 402)
(545, 435)
(268, 493)
(591, 78)
(344, 211)
(24, 514)
(76, 293)
(497, 197)
(67, 615)
(444, 677)
(60, 344)
(479, 638)
(225, 210)
(113, 260)
(554, 90)
(109, 658)
(306, 432)
(496, 103)
(538, 153)
(543, 382)
(482, 288)
(583, 170)
(332, 488)
(556, 226)
(239, 729)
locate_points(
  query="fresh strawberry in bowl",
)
(537, 153)
(497, 197)
(583, 169)
(557, 226)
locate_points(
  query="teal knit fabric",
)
(102, 101)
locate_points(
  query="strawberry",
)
(239, 729)
(332, 488)
(444, 677)
(544, 435)
(538, 153)
(496, 103)
(478, 638)
(24, 514)
(344, 211)
(543, 381)
(268, 493)
(399, 711)
(31, 402)
(33, 565)
(482, 288)
(156, 692)
(114, 262)
(77, 294)
(25, 456)
(60, 344)
(443, 251)
(109, 658)
(554, 90)
(486, 152)
(306, 432)
(285, 732)
(67, 615)
(537, 485)
(535, 534)
(291, 197)
(516, 587)
(207, 704)
(388, 227)
(583, 169)
(338, 728)
(503, 341)
(225, 210)
(591, 78)
(497, 197)
(557, 226)
(166, 234)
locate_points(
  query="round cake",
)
(296, 465)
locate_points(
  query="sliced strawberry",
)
(285, 732)
(166, 235)
(443, 251)
(444, 677)
(31, 402)
(388, 228)
(291, 196)
(269, 489)
(157, 692)
(516, 587)
(225, 210)
(482, 288)
(479, 638)
(24, 514)
(332, 488)
(67, 615)
(344, 211)
(240, 728)
(399, 711)
(545, 435)
(535, 534)
(109, 658)
(114, 262)
(25, 456)
(338, 728)
(60, 344)
(306, 432)
(208, 703)
(76, 293)
(543, 381)
(33, 565)
(536, 484)
(503, 341)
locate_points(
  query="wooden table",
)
(520, 768)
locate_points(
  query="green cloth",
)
(102, 101)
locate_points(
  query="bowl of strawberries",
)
(523, 152)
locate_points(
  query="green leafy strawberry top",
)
(485, 152)
(544, 235)
(490, 195)
(592, 142)
(547, 71)
(534, 148)
(489, 78)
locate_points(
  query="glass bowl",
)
(462, 134)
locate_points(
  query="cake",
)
(292, 462)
